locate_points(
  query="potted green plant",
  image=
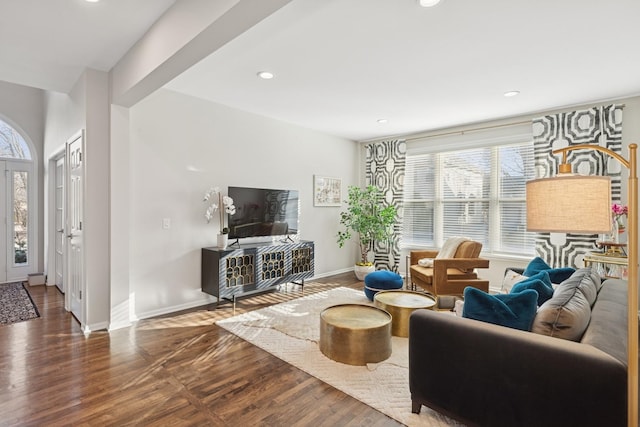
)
(370, 220)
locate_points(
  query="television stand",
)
(233, 272)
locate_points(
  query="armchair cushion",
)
(454, 247)
(449, 276)
(515, 310)
(557, 275)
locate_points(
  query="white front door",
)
(60, 238)
(16, 237)
(75, 270)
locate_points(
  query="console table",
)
(608, 265)
(233, 272)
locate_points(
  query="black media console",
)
(233, 272)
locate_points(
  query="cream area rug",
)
(291, 331)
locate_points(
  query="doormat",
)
(16, 304)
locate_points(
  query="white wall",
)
(65, 116)
(86, 107)
(181, 146)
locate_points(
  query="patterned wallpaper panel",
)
(599, 125)
(385, 166)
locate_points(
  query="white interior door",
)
(60, 238)
(75, 271)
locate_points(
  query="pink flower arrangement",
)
(618, 211)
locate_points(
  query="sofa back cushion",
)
(567, 314)
(607, 330)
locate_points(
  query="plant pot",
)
(223, 239)
(362, 270)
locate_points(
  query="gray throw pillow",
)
(587, 281)
(567, 314)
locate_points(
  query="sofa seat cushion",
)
(567, 314)
(516, 310)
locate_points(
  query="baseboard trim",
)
(207, 299)
(331, 273)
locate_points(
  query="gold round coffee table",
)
(400, 304)
(355, 334)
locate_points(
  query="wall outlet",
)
(166, 223)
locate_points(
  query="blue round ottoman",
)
(381, 280)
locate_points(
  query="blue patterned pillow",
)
(540, 283)
(557, 275)
(515, 311)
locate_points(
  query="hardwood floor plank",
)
(180, 369)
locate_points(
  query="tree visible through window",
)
(20, 219)
(12, 145)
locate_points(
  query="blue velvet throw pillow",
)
(540, 283)
(515, 311)
(557, 275)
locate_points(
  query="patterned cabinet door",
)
(284, 263)
(237, 272)
(302, 261)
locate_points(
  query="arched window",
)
(12, 144)
(18, 188)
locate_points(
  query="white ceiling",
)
(341, 65)
(47, 44)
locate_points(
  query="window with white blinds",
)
(477, 193)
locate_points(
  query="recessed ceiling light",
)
(512, 93)
(92, 1)
(428, 3)
(265, 75)
(381, 121)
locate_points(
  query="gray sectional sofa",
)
(489, 375)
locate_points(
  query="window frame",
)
(494, 140)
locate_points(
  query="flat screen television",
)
(263, 212)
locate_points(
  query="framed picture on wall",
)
(327, 191)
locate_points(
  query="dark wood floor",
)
(178, 370)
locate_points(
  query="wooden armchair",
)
(449, 276)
